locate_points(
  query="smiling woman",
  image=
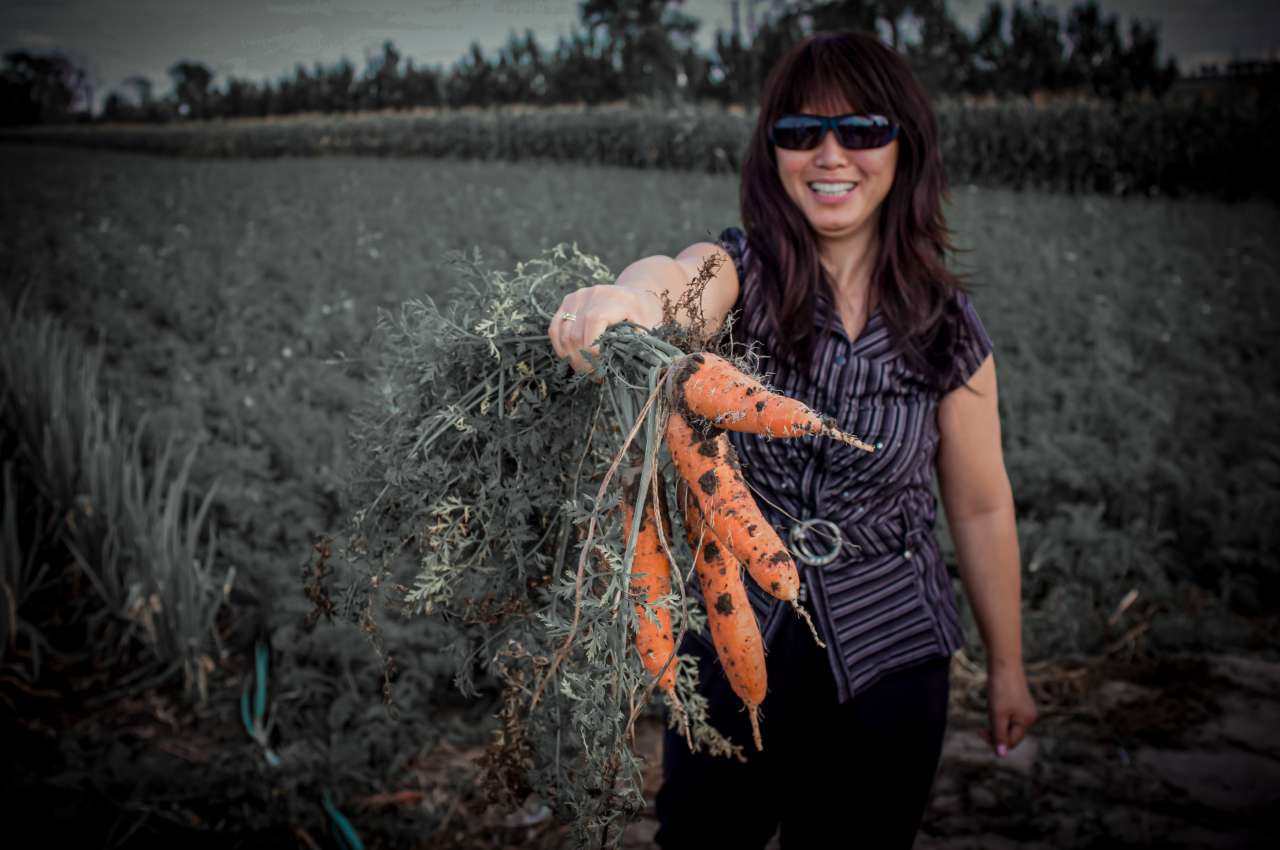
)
(838, 279)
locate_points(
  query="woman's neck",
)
(851, 263)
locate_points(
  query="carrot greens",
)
(491, 479)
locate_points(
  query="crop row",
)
(1217, 149)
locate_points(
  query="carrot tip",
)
(847, 439)
(804, 615)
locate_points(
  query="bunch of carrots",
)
(707, 395)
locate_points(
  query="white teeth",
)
(832, 188)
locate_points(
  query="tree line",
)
(640, 49)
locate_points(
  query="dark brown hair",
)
(912, 285)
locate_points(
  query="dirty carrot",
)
(708, 386)
(710, 467)
(651, 580)
(734, 629)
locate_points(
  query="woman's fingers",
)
(569, 333)
(558, 329)
(569, 337)
(1011, 708)
(591, 329)
(592, 310)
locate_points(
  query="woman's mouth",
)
(832, 192)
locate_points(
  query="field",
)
(235, 305)
(1214, 147)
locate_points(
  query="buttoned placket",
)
(814, 507)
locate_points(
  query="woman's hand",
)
(1009, 706)
(585, 313)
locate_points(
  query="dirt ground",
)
(1177, 752)
(1180, 752)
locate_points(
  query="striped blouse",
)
(886, 598)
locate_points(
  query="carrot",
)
(709, 465)
(734, 629)
(651, 579)
(708, 386)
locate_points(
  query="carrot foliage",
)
(488, 489)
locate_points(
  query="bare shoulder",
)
(722, 290)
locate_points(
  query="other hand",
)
(1010, 708)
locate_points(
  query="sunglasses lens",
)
(865, 131)
(802, 133)
(795, 133)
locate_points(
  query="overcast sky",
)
(262, 39)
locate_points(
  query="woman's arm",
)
(978, 502)
(637, 294)
(672, 276)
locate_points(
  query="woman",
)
(839, 280)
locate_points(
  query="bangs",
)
(826, 78)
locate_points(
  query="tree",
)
(583, 70)
(191, 88)
(773, 38)
(380, 87)
(1094, 63)
(865, 15)
(42, 87)
(421, 86)
(470, 83)
(141, 87)
(520, 75)
(304, 88)
(245, 97)
(1141, 61)
(942, 59)
(129, 101)
(1035, 59)
(731, 75)
(337, 86)
(116, 108)
(989, 53)
(692, 78)
(645, 39)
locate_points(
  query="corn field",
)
(1217, 149)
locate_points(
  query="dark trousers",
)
(851, 775)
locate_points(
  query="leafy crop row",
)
(104, 551)
(1218, 148)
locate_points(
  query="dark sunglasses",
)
(805, 132)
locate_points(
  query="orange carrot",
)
(734, 629)
(709, 465)
(707, 386)
(651, 579)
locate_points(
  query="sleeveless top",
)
(885, 601)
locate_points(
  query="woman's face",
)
(843, 215)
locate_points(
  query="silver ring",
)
(568, 317)
(807, 554)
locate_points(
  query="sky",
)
(264, 39)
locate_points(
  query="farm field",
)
(235, 304)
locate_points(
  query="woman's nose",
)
(830, 150)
